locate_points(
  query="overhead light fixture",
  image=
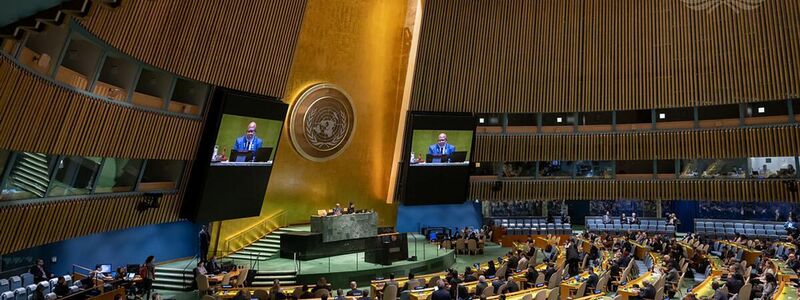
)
(558, 120)
(481, 120)
(662, 116)
(761, 110)
(477, 165)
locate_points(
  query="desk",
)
(704, 290)
(717, 268)
(689, 249)
(519, 295)
(213, 279)
(376, 286)
(785, 292)
(639, 250)
(572, 283)
(749, 255)
(345, 227)
(420, 294)
(626, 291)
(782, 271)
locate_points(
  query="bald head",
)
(442, 139)
(251, 130)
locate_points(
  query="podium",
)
(387, 248)
(345, 227)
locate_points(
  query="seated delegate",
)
(441, 148)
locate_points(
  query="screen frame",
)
(428, 120)
(232, 102)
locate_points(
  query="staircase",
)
(30, 173)
(266, 278)
(174, 278)
(266, 247)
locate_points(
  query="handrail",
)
(88, 271)
(254, 232)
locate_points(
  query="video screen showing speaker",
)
(240, 142)
(436, 166)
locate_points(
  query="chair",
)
(389, 293)
(15, 282)
(433, 281)
(297, 292)
(4, 285)
(67, 279)
(242, 278)
(472, 247)
(602, 283)
(46, 286)
(553, 294)
(580, 291)
(412, 284)
(324, 293)
(7, 295)
(27, 278)
(502, 288)
(74, 289)
(744, 292)
(527, 297)
(447, 244)
(488, 291)
(261, 294)
(660, 293)
(202, 284)
(20, 294)
(53, 282)
(460, 246)
(539, 279)
(541, 295)
(50, 296)
(226, 279)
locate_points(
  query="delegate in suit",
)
(249, 141)
(442, 147)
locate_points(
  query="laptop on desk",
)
(436, 158)
(263, 154)
(458, 157)
(241, 156)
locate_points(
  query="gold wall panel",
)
(244, 45)
(781, 140)
(601, 55)
(38, 115)
(25, 226)
(713, 190)
(359, 46)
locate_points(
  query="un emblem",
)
(322, 122)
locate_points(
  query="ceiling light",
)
(761, 110)
(558, 120)
(481, 120)
(662, 116)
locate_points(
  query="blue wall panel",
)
(129, 246)
(412, 218)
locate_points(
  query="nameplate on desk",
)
(394, 249)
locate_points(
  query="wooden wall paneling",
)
(245, 45)
(557, 56)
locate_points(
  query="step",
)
(262, 248)
(271, 238)
(278, 272)
(273, 277)
(174, 280)
(173, 269)
(171, 287)
(174, 275)
(267, 243)
(247, 257)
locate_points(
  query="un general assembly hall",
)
(399, 149)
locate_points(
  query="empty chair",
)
(4, 286)
(30, 289)
(74, 289)
(27, 278)
(15, 282)
(20, 294)
(7, 295)
(488, 291)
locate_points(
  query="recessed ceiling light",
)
(761, 110)
(662, 116)
(558, 120)
(481, 120)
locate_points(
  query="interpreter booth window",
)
(188, 97)
(558, 122)
(593, 169)
(595, 121)
(634, 120)
(665, 169)
(151, 89)
(634, 169)
(513, 208)
(116, 78)
(28, 176)
(489, 123)
(713, 168)
(519, 169)
(74, 175)
(767, 112)
(161, 175)
(487, 168)
(79, 64)
(556, 169)
(796, 109)
(718, 116)
(118, 175)
(615, 208)
(741, 210)
(522, 123)
(675, 118)
(774, 167)
(41, 50)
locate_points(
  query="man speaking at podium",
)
(249, 141)
(442, 148)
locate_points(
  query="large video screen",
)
(438, 150)
(230, 175)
